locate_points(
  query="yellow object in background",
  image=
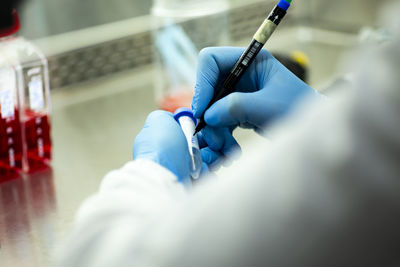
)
(301, 58)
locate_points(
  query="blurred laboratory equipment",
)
(297, 62)
(181, 28)
(374, 36)
(184, 116)
(43, 21)
(25, 102)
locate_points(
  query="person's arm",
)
(325, 193)
(112, 226)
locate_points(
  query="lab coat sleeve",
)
(325, 193)
(109, 223)
(141, 187)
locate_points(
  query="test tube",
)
(184, 116)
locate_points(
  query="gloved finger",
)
(201, 140)
(162, 141)
(204, 169)
(159, 117)
(215, 160)
(213, 63)
(149, 135)
(230, 146)
(231, 149)
(238, 108)
(210, 157)
(232, 128)
(218, 139)
(213, 137)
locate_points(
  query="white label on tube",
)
(188, 129)
(7, 89)
(36, 93)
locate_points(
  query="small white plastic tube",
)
(184, 116)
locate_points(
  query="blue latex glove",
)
(217, 145)
(266, 91)
(162, 141)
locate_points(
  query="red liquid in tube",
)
(176, 100)
(37, 140)
(10, 147)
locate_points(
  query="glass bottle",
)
(11, 144)
(10, 127)
(181, 29)
(31, 71)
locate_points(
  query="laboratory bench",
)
(93, 129)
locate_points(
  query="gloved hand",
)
(216, 147)
(162, 141)
(266, 91)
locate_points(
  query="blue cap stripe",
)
(283, 4)
(184, 112)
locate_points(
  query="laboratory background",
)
(102, 66)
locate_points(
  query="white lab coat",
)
(325, 193)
